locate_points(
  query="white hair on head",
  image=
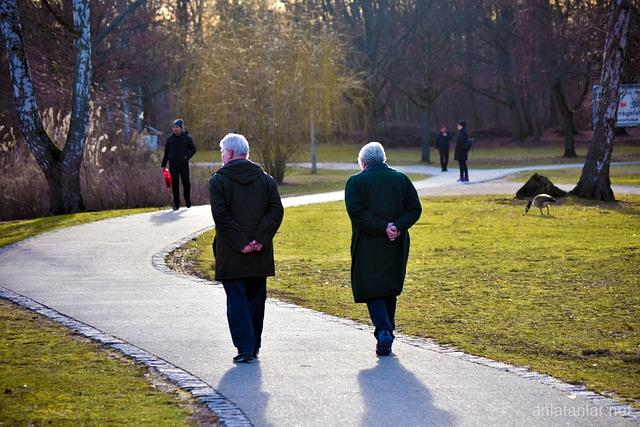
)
(235, 142)
(372, 153)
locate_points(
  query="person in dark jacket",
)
(463, 145)
(443, 141)
(178, 149)
(382, 204)
(247, 212)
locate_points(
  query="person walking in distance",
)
(247, 212)
(178, 149)
(463, 145)
(443, 141)
(382, 204)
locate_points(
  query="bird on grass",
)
(540, 201)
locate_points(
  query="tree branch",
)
(116, 23)
(60, 19)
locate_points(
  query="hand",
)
(392, 231)
(252, 246)
(257, 246)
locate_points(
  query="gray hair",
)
(372, 153)
(235, 142)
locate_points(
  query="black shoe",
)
(385, 340)
(188, 205)
(175, 208)
(244, 358)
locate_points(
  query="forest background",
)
(286, 72)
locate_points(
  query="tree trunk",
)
(594, 181)
(517, 130)
(565, 115)
(45, 152)
(73, 151)
(532, 110)
(61, 168)
(425, 136)
(314, 148)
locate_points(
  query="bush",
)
(113, 176)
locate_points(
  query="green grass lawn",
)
(50, 376)
(487, 155)
(558, 294)
(620, 175)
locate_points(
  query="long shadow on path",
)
(245, 381)
(393, 396)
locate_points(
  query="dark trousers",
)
(444, 159)
(245, 312)
(180, 171)
(383, 314)
(464, 170)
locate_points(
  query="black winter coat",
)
(375, 197)
(443, 141)
(178, 149)
(463, 145)
(246, 206)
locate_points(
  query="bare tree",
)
(61, 167)
(594, 181)
(426, 71)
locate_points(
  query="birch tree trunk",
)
(61, 168)
(73, 151)
(594, 181)
(45, 152)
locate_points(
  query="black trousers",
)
(464, 170)
(245, 312)
(383, 314)
(444, 159)
(180, 171)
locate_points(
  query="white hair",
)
(235, 142)
(372, 153)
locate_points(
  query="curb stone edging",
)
(229, 413)
(613, 406)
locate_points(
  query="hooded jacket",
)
(246, 206)
(178, 149)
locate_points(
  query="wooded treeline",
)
(392, 70)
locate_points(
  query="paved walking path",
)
(314, 370)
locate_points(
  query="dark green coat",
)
(246, 206)
(375, 197)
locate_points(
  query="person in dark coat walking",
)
(463, 145)
(382, 204)
(247, 212)
(443, 141)
(178, 149)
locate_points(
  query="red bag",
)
(167, 178)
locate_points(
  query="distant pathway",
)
(314, 369)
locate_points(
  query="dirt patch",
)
(181, 260)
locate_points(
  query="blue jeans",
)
(383, 314)
(245, 312)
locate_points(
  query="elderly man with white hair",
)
(247, 212)
(382, 204)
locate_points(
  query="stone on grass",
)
(539, 184)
